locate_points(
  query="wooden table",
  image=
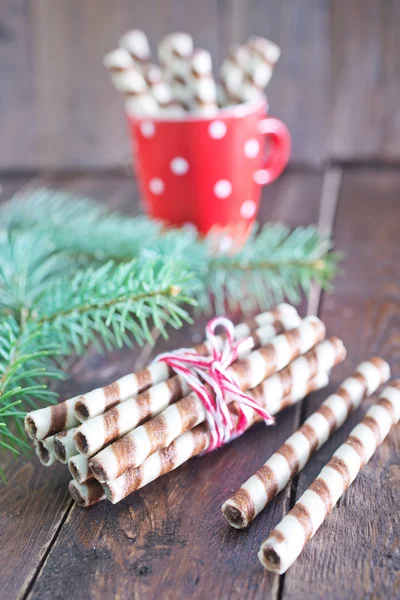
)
(169, 540)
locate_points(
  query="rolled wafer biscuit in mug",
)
(287, 540)
(202, 84)
(232, 73)
(118, 63)
(161, 91)
(138, 100)
(263, 56)
(136, 43)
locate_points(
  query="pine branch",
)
(116, 302)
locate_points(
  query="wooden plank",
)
(357, 547)
(299, 92)
(365, 80)
(18, 119)
(169, 540)
(35, 501)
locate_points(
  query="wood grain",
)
(169, 540)
(357, 548)
(18, 108)
(365, 80)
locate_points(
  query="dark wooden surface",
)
(169, 540)
(336, 86)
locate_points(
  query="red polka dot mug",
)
(209, 170)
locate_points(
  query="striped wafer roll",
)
(99, 400)
(287, 540)
(174, 52)
(175, 46)
(133, 448)
(47, 421)
(64, 445)
(86, 494)
(161, 91)
(79, 468)
(135, 42)
(204, 99)
(45, 451)
(186, 446)
(252, 497)
(96, 433)
(118, 63)
(263, 56)
(138, 100)
(232, 72)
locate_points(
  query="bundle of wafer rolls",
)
(118, 438)
(184, 82)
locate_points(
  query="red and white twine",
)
(200, 370)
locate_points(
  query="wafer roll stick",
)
(96, 433)
(64, 445)
(287, 540)
(118, 63)
(86, 494)
(135, 42)
(204, 100)
(263, 56)
(138, 100)
(47, 421)
(161, 91)
(232, 72)
(99, 400)
(133, 448)
(79, 468)
(252, 497)
(186, 446)
(45, 451)
(174, 52)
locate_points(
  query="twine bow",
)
(200, 370)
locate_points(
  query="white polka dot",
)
(179, 165)
(156, 186)
(223, 188)
(248, 209)
(217, 130)
(147, 129)
(261, 177)
(251, 148)
(225, 244)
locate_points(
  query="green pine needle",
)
(72, 274)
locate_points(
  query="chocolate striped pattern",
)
(186, 446)
(44, 422)
(98, 401)
(202, 84)
(232, 73)
(252, 497)
(285, 543)
(135, 42)
(133, 448)
(96, 433)
(118, 63)
(78, 466)
(64, 445)
(86, 494)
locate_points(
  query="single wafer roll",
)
(186, 446)
(45, 451)
(138, 100)
(263, 56)
(232, 73)
(118, 63)
(287, 540)
(64, 445)
(79, 468)
(174, 52)
(99, 400)
(96, 433)
(252, 497)
(161, 91)
(173, 46)
(135, 42)
(86, 494)
(47, 421)
(202, 84)
(133, 448)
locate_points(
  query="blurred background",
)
(336, 85)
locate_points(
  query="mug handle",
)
(279, 152)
